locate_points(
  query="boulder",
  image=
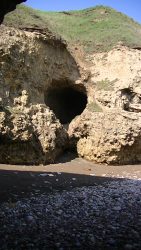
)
(30, 135)
(110, 137)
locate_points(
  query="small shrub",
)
(94, 107)
(12, 110)
(106, 84)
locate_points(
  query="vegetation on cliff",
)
(95, 29)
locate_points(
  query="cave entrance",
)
(66, 101)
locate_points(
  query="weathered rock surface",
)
(34, 63)
(29, 63)
(116, 77)
(30, 136)
(109, 131)
(111, 137)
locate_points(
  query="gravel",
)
(106, 216)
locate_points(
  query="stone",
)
(30, 132)
(111, 137)
(109, 130)
(29, 138)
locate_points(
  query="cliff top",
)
(95, 29)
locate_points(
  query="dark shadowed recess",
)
(66, 101)
(7, 6)
(15, 185)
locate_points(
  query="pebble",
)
(128, 247)
(118, 208)
(43, 175)
(105, 216)
(30, 219)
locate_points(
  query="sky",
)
(130, 7)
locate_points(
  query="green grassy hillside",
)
(96, 29)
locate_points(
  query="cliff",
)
(56, 96)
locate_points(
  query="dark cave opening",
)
(66, 102)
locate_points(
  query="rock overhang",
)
(7, 6)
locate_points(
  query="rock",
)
(24, 73)
(29, 138)
(109, 130)
(103, 126)
(111, 137)
(116, 77)
(29, 131)
(30, 219)
(128, 247)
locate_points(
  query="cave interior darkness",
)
(66, 101)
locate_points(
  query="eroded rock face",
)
(34, 68)
(109, 130)
(116, 77)
(113, 137)
(29, 63)
(30, 135)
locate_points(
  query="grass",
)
(94, 107)
(95, 29)
(106, 84)
(12, 110)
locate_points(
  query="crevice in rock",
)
(67, 156)
(66, 100)
(130, 100)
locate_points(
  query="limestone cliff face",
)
(30, 62)
(41, 80)
(116, 77)
(109, 130)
